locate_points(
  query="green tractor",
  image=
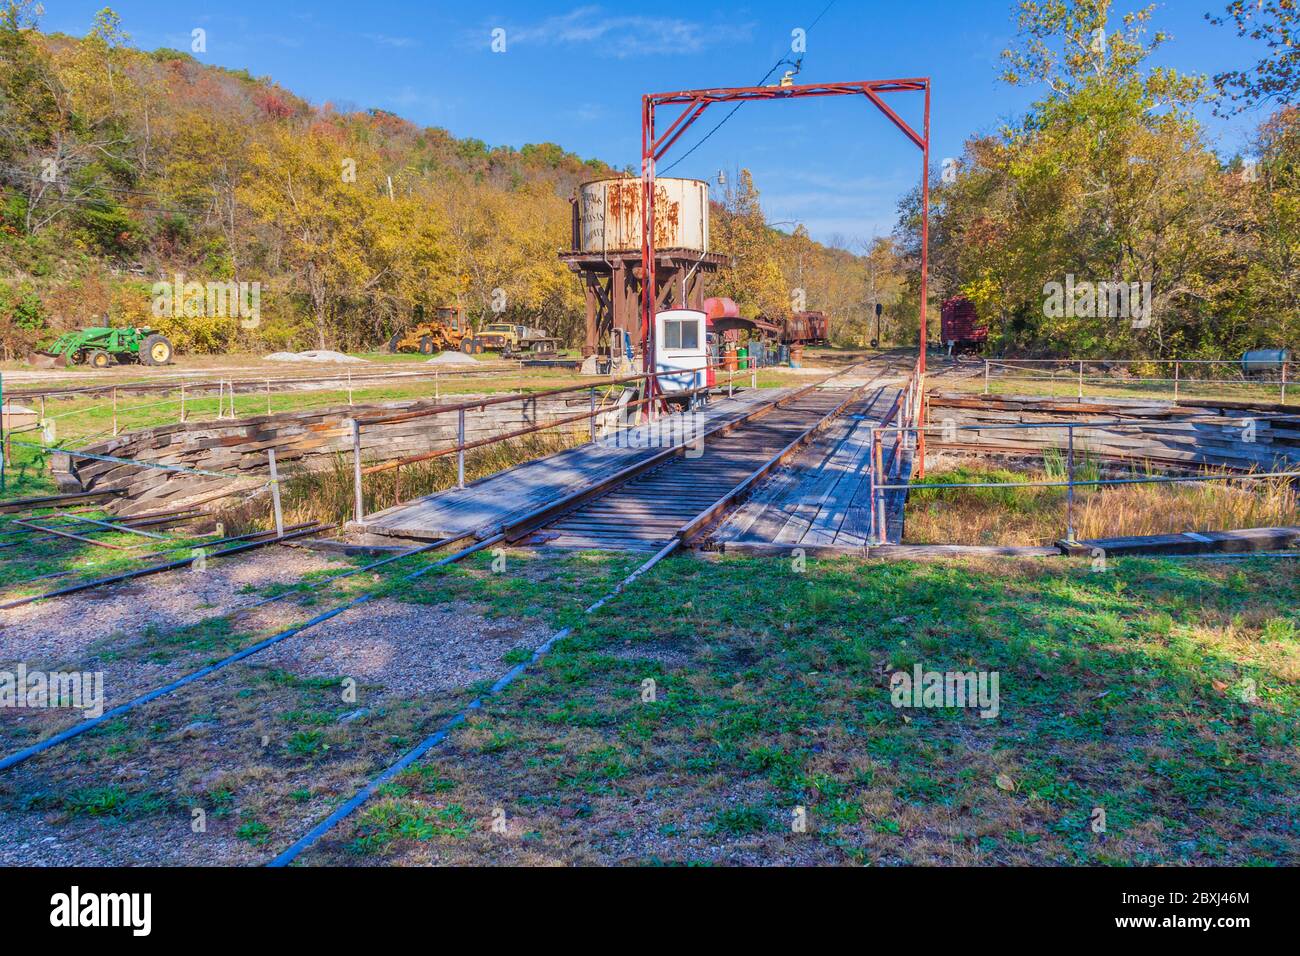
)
(102, 347)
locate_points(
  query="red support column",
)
(925, 224)
(648, 242)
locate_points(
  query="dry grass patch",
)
(1024, 514)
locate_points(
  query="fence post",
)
(1080, 380)
(986, 376)
(460, 450)
(114, 411)
(4, 445)
(1176, 376)
(591, 422)
(1069, 491)
(182, 402)
(275, 494)
(879, 467)
(871, 488)
(349, 386)
(358, 508)
(920, 435)
(1283, 398)
(436, 393)
(268, 396)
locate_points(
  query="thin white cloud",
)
(621, 36)
(383, 39)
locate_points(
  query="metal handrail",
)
(461, 445)
(908, 407)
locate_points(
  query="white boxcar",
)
(681, 349)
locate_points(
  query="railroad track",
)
(647, 511)
(673, 499)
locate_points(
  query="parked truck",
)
(510, 340)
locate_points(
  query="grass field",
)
(1119, 690)
(1096, 386)
(1163, 693)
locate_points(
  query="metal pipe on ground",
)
(308, 840)
(28, 752)
(160, 568)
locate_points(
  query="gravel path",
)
(60, 631)
(83, 632)
(409, 648)
(393, 650)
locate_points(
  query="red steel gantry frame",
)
(695, 102)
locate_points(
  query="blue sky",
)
(573, 73)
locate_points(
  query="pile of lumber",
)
(303, 441)
(1190, 434)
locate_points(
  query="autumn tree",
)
(1106, 179)
(753, 275)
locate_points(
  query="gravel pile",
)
(452, 358)
(312, 355)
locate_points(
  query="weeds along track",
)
(734, 458)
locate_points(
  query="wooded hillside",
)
(120, 168)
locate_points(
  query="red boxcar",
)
(806, 328)
(960, 326)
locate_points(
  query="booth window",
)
(679, 334)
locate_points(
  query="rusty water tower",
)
(606, 252)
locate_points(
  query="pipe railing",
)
(273, 482)
(908, 409)
(254, 384)
(1070, 483)
(190, 392)
(652, 403)
(1075, 371)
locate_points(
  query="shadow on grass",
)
(1125, 691)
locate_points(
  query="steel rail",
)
(312, 585)
(158, 519)
(545, 514)
(28, 523)
(41, 746)
(1100, 482)
(687, 530)
(693, 528)
(51, 501)
(309, 839)
(287, 856)
(298, 531)
(191, 546)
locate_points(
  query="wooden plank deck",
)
(822, 500)
(490, 502)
